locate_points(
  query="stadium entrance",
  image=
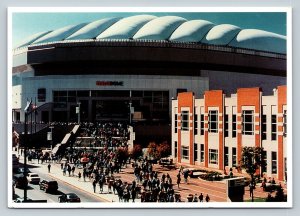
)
(112, 105)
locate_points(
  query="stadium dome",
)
(165, 28)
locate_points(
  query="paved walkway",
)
(216, 190)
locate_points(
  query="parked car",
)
(68, 197)
(15, 161)
(33, 178)
(20, 180)
(48, 186)
(21, 200)
(20, 170)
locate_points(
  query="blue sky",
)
(26, 24)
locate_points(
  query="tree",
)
(152, 150)
(136, 152)
(163, 150)
(252, 160)
(122, 155)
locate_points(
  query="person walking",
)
(49, 167)
(79, 176)
(207, 199)
(201, 197)
(73, 170)
(94, 185)
(178, 179)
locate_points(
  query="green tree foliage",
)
(251, 161)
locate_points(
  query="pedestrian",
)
(195, 198)
(64, 171)
(69, 170)
(201, 197)
(133, 194)
(79, 176)
(49, 167)
(94, 185)
(73, 170)
(186, 175)
(251, 187)
(207, 199)
(178, 179)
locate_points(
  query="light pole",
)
(78, 111)
(130, 112)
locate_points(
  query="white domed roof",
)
(169, 28)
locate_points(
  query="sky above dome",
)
(29, 23)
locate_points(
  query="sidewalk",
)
(216, 189)
(56, 173)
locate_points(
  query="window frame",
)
(213, 152)
(185, 148)
(185, 122)
(274, 127)
(245, 123)
(273, 162)
(213, 113)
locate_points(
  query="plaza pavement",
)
(216, 189)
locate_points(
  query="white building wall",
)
(174, 137)
(230, 142)
(130, 82)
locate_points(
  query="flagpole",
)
(35, 115)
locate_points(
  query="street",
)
(35, 193)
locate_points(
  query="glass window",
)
(175, 123)
(83, 93)
(195, 123)
(185, 120)
(202, 153)
(202, 124)
(274, 127)
(284, 123)
(234, 156)
(274, 162)
(41, 94)
(195, 152)
(264, 165)
(264, 127)
(213, 156)
(248, 122)
(175, 145)
(213, 121)
(185, 152)
(226, 156)
(226, 125)
(233, 125)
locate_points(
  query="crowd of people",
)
(100, 165)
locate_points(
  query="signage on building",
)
(109, 83)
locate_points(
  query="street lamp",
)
(78, 111)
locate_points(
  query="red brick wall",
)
(214, 98)
(247, 97)
(186, 99)
(282, 100)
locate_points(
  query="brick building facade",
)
(212, 131)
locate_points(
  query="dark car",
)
(69, 197)
(48, 186)
(20, 181)
(20, 170)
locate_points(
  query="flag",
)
(28, 107)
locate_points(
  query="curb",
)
(78, 188)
